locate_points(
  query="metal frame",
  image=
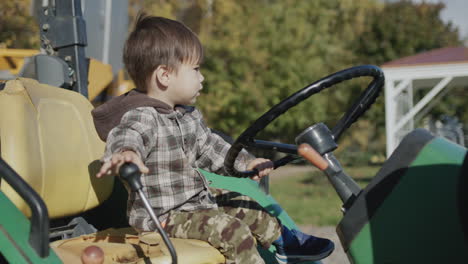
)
(63, 33)
(401, 110)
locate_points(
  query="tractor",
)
(54, 209)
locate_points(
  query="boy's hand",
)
(264, 167)
(112, 166)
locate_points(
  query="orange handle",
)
(306, 151)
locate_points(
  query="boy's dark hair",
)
(159, 41)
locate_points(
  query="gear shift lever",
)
(130, 174)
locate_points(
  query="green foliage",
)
(17, 28)
(404, 28)
(260, 52)
(396, 30)
(453, 104)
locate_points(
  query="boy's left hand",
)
(264, 167)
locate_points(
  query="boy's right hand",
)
(112, 166)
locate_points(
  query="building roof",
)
(438, 56)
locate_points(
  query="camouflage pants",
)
(234, 228)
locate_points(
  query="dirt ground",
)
(338, 256)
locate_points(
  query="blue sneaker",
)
(304, 248)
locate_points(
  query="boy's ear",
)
(162, 75)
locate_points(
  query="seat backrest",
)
(47, 136)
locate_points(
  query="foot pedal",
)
(77, 227)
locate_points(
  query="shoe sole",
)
(301, 258)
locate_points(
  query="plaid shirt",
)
(173, 146)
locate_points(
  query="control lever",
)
(346, 188)
(310, 154)
(130, 174)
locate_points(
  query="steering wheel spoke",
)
(276, 146)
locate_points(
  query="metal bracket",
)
(63, 34)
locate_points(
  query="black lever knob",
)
(130, 174)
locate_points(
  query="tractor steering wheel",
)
(365, 100)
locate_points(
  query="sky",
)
(455, 11)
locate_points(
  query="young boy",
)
(153, 127)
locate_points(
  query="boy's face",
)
(186, 84)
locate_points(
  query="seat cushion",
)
(125, 246)
(47, 136)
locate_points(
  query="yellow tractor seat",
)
(47, 136)
(126, 246)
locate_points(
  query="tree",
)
(18, 29)
(404, 28)
(260, 52)
(397, 30)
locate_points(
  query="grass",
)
(310, 199)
